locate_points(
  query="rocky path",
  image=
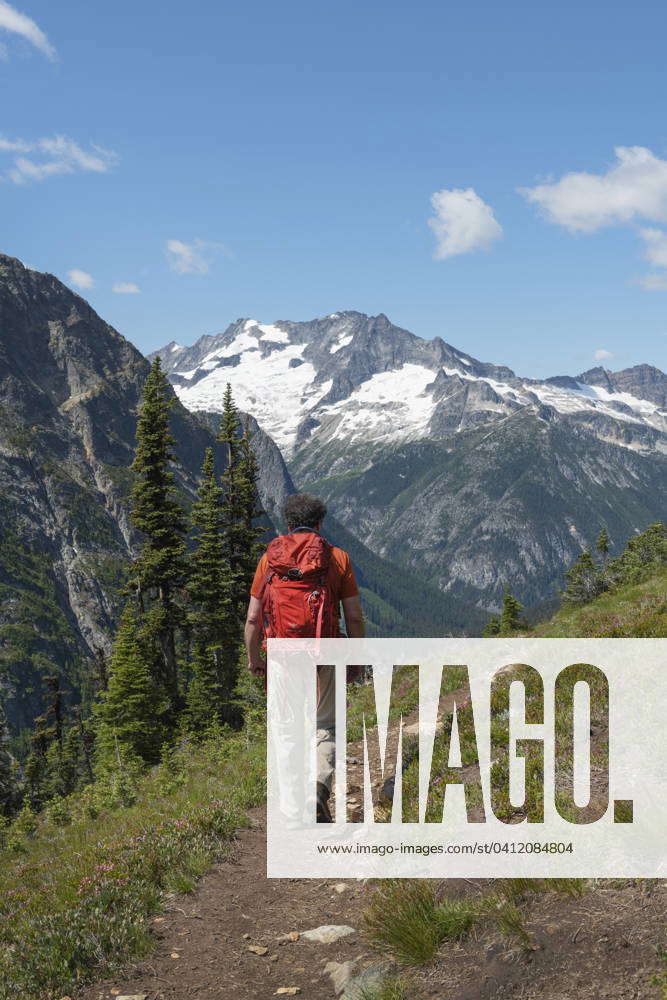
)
(231, 937)
(241, 936)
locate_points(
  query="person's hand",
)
(257, 668)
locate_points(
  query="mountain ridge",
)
(347, 357)
(375, 419)
(70, 389)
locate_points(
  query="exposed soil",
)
(206, 930)
(601, 945)
(604, 944)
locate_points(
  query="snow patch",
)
(243, 341)
(273, 334)
(593, 397)
(343, 341)
(278, 396)
(389, 406)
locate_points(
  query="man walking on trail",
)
(299, 585)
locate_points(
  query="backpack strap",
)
(320, 616)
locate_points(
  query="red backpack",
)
(297, 598)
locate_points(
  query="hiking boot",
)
(323, 814)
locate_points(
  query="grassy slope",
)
(393, 914)
(78, 886)
(634, 611)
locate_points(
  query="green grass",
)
(632, 611)
(80, 883)
(362, 702)
(409, 919)
(406, 918)
(392, 988)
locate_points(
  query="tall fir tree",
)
(251, 511)
(231, 507)
(207, 700)
(130, 714)
(36, 771)
(7, 776)
(211, 618)
(158, 572)
(240, 509)
(209, 596)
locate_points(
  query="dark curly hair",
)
(303, 510)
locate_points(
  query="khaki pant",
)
(326, 722)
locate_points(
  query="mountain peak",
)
(641, 381)
(350, 375)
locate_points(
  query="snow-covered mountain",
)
(458, 470)
(362, 379)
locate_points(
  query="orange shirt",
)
(343, 580)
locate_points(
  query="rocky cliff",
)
(70, 386)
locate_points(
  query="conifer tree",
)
(584, 580)
(492, 627)
(251, 511)
(130, 713)
(36, 771)
(209, 580)
(510, 617)
(212, 623)
(158, 572)
(72, 762)
(240, 508)
(602, 544)
(231, 505)
(55, 709)
(7, 784)
(207, 701)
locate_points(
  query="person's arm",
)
(253, 636)
(354, 617)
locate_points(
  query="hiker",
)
(299, 585)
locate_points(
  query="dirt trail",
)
(207, 929)
(603, 945)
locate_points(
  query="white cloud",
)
(55, 155)
(19, 24)
(656, 246)
(188, 258)
(655, 252)
(462, 223)
(654, 282)
(14, 145)
(602, 355)
(634, 187)
(80, 279)
(126, 288)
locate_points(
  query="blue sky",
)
(282, 161)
